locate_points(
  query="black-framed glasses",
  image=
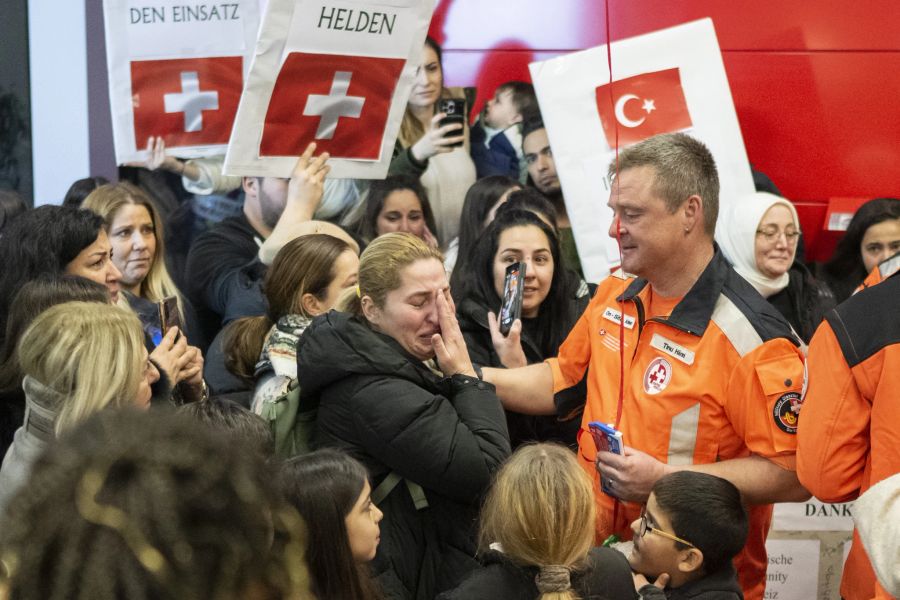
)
(771, 233)
(645, 527)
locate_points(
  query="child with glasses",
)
(685, 538)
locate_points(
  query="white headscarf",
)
(736, 235)
(877, 516)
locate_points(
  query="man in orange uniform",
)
(712, 375)
(850, 437)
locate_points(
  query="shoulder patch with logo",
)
(787, 412)
(657, 376)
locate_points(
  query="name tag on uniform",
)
(616, 317)
(672, 349)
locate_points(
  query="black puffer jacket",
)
(605, 576)
(391, 412)
(562, 427)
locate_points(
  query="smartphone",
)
(168, 314)
(608, 439)
(513, 286)
(455, 109)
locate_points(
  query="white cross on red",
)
(335, 105)
(191, 101)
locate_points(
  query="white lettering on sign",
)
(335, 105)
(672, 349)
(191, 101)
(616, 317)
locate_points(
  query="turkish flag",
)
(339, 102)
(642, 106)
(187, 101)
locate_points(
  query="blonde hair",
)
(379, 268)
(90, 353)
(541, 511)
(106, 201)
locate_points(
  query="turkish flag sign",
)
(642, 106)
(187, 101)
(340, 102)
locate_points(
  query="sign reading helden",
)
(332, 72)
(176, 71)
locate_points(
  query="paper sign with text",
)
(176, 70)
(666, 81)
(334, 72)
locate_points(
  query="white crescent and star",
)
(647, 107)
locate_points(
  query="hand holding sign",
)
(307, 181)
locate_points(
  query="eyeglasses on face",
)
(645, 527)
(770, 234)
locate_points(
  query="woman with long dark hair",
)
(331, 491)
(396, 203)
(553, 300)
(872, 236)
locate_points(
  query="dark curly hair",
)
(149, 505)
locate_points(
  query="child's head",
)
(511, 101)
(227, 416)
(707, 516)
(331, 492)
(541, 511)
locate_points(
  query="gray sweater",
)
(41, 404)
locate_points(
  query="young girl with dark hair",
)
(396, 203)
(553, 300)
(331, 492)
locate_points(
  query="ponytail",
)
(554, 583)
(242, 343)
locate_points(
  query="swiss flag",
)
(187, 101)
(642, 106)
(339, 102)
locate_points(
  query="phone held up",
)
(168, 315)
(455, 109)
(513, 287)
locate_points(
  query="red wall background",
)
(816, 85)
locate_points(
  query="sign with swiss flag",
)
(665, 81)
(330, 72)
(176, 71)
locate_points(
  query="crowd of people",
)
(313, 397)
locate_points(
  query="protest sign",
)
(176, 70)
(665, 81)
(334, 72)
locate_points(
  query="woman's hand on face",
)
(449, 345)
(169, 355)
(508, 347)
(429, 238)
(436, 140)
(307, 183)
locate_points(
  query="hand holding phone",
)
(607, 439)
(455, 109)
(168, 314)
(513, 287)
